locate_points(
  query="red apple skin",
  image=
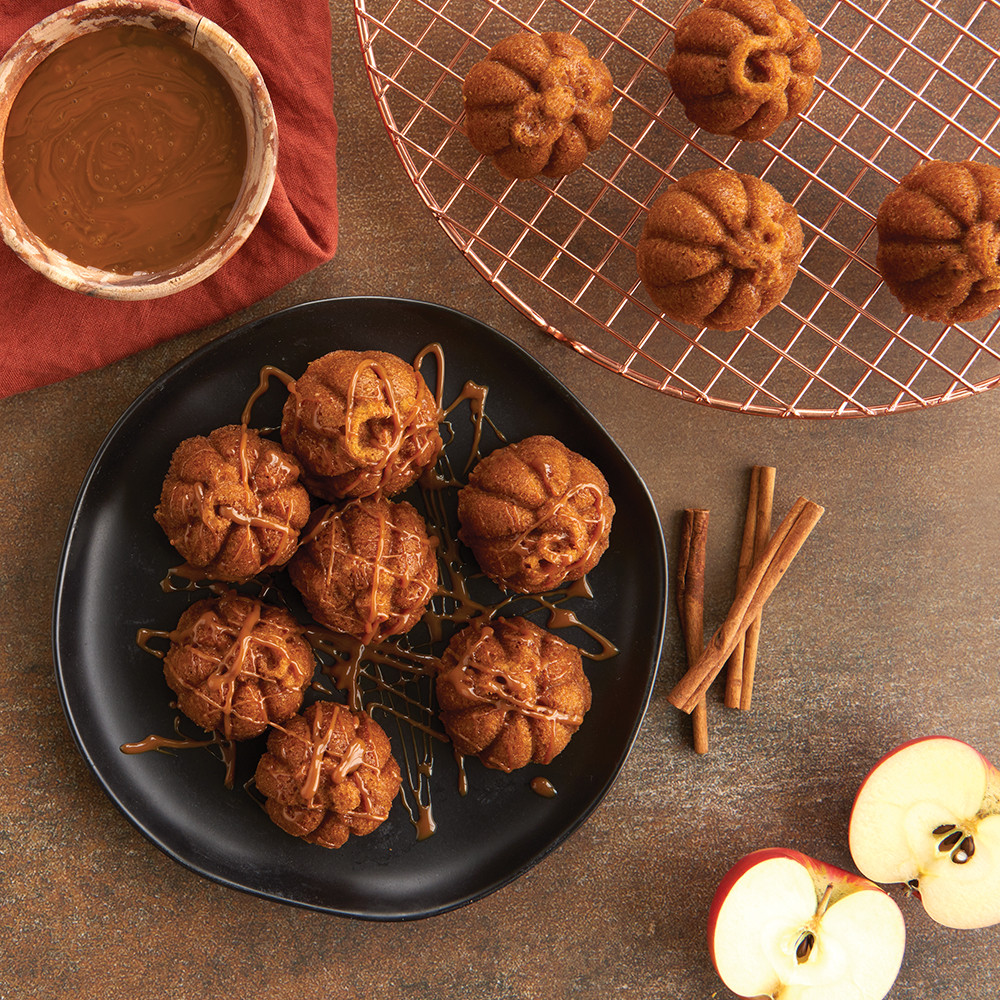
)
(827, 873)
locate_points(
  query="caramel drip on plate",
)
(143, 636)
(266, 374)
(435, 351)
(476, 396)
(463, 778)
(227, 748)
(544, 787)
(154, 742)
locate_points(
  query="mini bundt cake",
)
(367, 569)
(238, 665)
(511, 693)
(232, 504)
(361, 421)
(719, 249)
(742, 67)
(939, 241)
(328, 773)
(538, 104)
(535, 514)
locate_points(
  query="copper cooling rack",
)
(901, 81)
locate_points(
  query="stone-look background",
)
(886, 628)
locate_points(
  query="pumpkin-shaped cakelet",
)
(367, 568)
(742, 67)
(328, 774)
(719, 249)
(232, 504)
(511, 693)
(939, 241)
(538, 104)
(535, 514)
(361, 422)
(238, 665)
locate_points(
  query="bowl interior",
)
(248, 87)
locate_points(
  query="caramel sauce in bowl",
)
(166, 160)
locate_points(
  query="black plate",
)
(109, 586)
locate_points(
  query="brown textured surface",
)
(511, 693)
(885, 628)
(743, 67)
(538, 104)
(939, 240)
(535, 515)
(719, 249)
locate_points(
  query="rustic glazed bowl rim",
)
(243, 76)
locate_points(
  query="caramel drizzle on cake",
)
(495, 686)
(561, 507)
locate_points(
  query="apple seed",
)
(950, 841)
(940, 831)
(805, 947)
(965, 851)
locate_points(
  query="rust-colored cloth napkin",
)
(48, 333)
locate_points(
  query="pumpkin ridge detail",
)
(939, 240)
(727, 264)
(743, 67)
(538, 104)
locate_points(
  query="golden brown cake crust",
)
(742, 67)
(232, 504)
(327, 774)
(511, 693)
(719, 249)
(939, 241)
(361, 421)
(538, 104)
(535, 514)
(366, 569)
(238, 665)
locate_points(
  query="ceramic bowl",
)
(251, 94)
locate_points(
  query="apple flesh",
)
(786, 926)
(928, 815)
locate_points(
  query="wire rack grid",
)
(901, 81)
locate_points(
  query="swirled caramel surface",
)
(125, 150)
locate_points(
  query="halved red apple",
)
(786, 926)
(928, 815)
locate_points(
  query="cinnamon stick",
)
(763, 577)
(734, 665)
(762, 529)
(691, 606)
